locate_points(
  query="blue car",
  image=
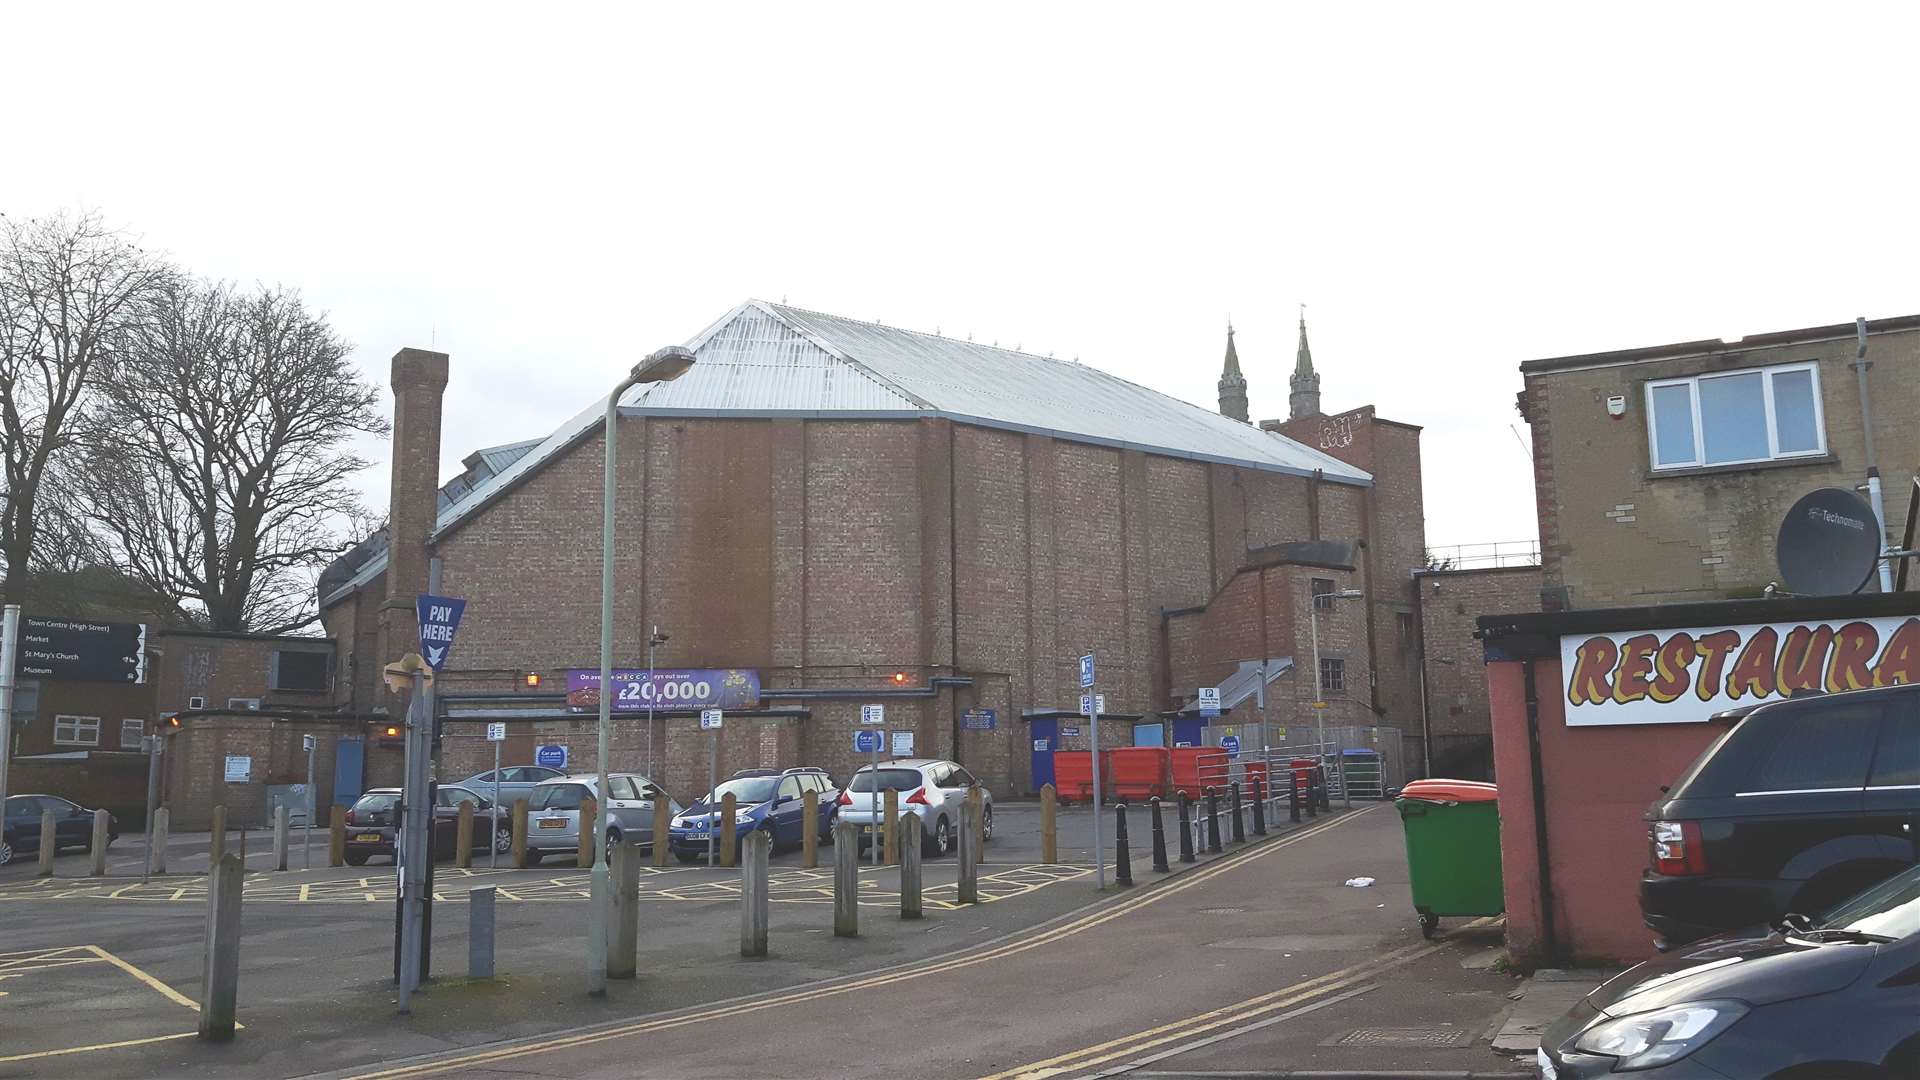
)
(764, 799)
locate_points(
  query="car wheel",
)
(613, 841)
(503, 840)
(938, 841)
(986, 824)
(6, 852)
(356, 858)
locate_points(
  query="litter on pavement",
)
(1359, 882)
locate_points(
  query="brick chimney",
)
(419, 380)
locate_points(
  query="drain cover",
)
(1442, 1036)
(1223, 911)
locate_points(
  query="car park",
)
(72, 825)
(930, 787)
(371, 822)
(766, 799)
(1826, 998)
(553, 813)
(1801, 803)
(516, 782)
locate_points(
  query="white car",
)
(932, 788)
(553, 812)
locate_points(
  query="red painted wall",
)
(1597, 781)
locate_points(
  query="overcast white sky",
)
(548, 192)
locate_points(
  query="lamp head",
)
(663, 365)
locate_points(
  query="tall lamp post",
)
(1319, 690)
(663, 365)
(654, 641)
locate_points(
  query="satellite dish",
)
(1829, 544)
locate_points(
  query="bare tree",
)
(222, 454)
(69, 289)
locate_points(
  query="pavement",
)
(1256, 961)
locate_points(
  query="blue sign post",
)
(439, 618)
(1231, 744)
(552, 756)
(866, 741)
(1086, 671)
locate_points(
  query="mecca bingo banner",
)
(1685, 676)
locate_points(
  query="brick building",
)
(855, 513)
(1458, 718)
(1662, 474)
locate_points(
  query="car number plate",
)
(553, 823)
(1547, 1071)
(867, 829)
(367, 838)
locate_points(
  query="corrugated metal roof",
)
(765, 359)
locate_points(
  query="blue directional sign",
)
(1231, 744)
(1086, 671)
(866, 741)
(439, 618)
(977, 720)
(553, 756)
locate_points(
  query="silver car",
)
(933, 788)
(516, 782)
(553, 813)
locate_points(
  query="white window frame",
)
(1774, 453)
(249, 704)
(139, 733)
(76, 723)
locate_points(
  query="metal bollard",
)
(102, 821)
(337, 836)
(463, 836)
(1159, 840)
(157, 852)
(480, 932)
(810, 832)
(1122, 858)
(1239, 819)
(49, 842)
(1259, 808)
(910, 877)
(220, 980)
(970, 853)
(1049, 825)
(729, 832)
(589, 833)
(218, 841)
(846, 880)
(1186, 828)
(662, 826)
(753, 893)
(623, 944)
(1213, 822)
(279, 838)
(890, 829)
(519, 834)
(1293, 796)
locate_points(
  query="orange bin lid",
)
(1463, 791)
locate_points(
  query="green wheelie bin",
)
(1453, 849)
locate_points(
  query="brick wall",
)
(1614, 533)
(218, 668)
(1458, 714)
(195, 764)
(111, 703)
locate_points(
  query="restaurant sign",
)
(1685, 676)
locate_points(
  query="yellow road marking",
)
(166, 991)
(1187, 881)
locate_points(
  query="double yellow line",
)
(882, 978)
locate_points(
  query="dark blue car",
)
(763, 799)
(72, 823)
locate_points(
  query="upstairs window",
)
(1736, 417)
(1333, 676)
(1322, 593)
(300, 669)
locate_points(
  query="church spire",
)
(1233, 385)
(1305, 383)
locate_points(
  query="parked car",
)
(72, 826)
(932, 788)
(553, 813)
(1802, 803)
(371, 824)
(516, 782)
(766, 799)
(1825, 998)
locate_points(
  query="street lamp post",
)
(1319, 692)
(662, 365)
(654, 641)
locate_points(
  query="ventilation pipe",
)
(1874, 497)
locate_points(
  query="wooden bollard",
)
(157, 851)
(1049, 825)
(969, 853)
(337, 836)
(463, 836)
(49, 841)
(662, 829)
(976, 798)
(220, 979)
(846, 880)
(280, 838)
(910, 877)
(519, 834)
(589, 811)
(810, 829)
(218, 843)
(890, 829)
(729, 833)
(753, 894)
(102, 822)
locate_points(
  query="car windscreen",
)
(375, 804)
(1816, 746)
(559, 797)
(1890, 909)
(887, 780)
(746, 790)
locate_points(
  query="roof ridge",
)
(924, 333)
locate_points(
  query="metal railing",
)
(1484, 555)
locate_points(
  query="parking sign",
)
(551, 756)
(1209, 701)
(873, 714)
(497, 731)
(1091, 704)
(1086, 671)
(1231, 744)
(866, 741)
(710, 719)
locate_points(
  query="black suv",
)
(1802, 804)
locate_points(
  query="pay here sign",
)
(1685, 676)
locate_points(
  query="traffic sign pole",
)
(9, 647)
(496, 734)
(1093, 724)
(313, 804)
(875, 714)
